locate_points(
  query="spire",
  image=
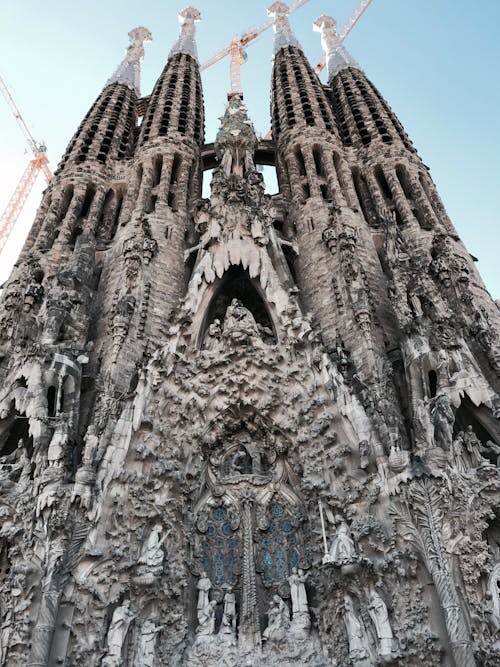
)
(236, 141)
(129, 70)
(337, 57)
(283, 32)
(186, 42)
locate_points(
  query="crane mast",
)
(39, 163)
(236, 50)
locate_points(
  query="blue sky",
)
(435, 61)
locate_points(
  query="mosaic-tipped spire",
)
(337, 57)
(129, 70)
(283, 35)
(186, 42)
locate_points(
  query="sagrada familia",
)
(247, 430)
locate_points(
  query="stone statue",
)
(204, 585)
(152, 554)
(91, 445)
(458, 456)
(355, 631)
(342, 549)
(298, 591)
(145, 656)
(117, 632)
(213, 337)
(239, 324)
(443, 419)
(380, 617)
(228, 623)
(206, 620)
(300, 607)
(443, 369)
(422, 424)
(278, 620)
(473, 447)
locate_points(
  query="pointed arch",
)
(235, 284)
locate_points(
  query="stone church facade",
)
(249, 429)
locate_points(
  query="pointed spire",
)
(186, 42)
(236, 140)
(129, 70)
(337, 57)
(283, 32)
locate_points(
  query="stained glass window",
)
(279, 550)
(219, 548)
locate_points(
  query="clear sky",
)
(435, 61)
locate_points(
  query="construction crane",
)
(39, 163)
(346, 29)
(236, 50)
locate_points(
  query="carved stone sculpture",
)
(117, 632)
(278, 616)
(356, 633)
(380, 617)
(147, 642)
(342, 549)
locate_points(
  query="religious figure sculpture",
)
(355, 632)
(228, 623)
(213, 336)
(342, 549)
(204, 586)
(117, 632)
(152, 554)
(239, 324)
(278, 620)
(380, 617)
(206, 620)
(473, 447)
(147, 640)
(458, 456)
(300, 607)
(443, 420)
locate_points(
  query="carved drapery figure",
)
(228, 623)
(239, 324)
(443, 419)
(298, 591)
(212, 341)
(204, 586)
(356, 634)
(147, 642)
(278, 620)
(117, 632)
(152, 554)
(380, 617)
(206, 620)
(300, 607)
(342, 549)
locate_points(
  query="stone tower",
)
(247, 429)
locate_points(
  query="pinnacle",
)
(129, 70)
(336, 55)
(186, 42)
(283, 32)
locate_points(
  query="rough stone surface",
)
(248, 430)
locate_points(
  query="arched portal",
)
(237, 284)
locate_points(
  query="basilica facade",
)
(249, 429)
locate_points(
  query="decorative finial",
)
(186, 43)
(129, 70)
(283, 32)
(336, 56)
